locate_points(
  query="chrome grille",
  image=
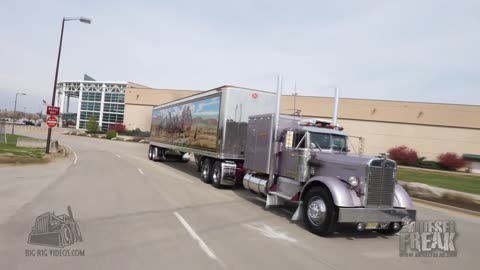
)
(380, 184)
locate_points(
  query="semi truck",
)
(238, 136)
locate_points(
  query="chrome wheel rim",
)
(316, 211)
(205, 171)
(215, 176)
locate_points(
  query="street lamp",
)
(83, 20)
(15, 111)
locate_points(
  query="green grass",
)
(10, 153)
(458, 182)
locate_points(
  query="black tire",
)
(198, 162)
(390, 230)
(217, 174)
(150, 153)
(319, 199)
(206, 171)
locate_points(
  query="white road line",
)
(117, 155)
(75, 159)
(195, 236)
(140, 171)
(260, 199)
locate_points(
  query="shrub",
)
(111, 134)
(450, 161)
(428, 164)
(403, 155)
(92, 124)
(136, 132)
(118, 127)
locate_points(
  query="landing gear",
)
(320, 213)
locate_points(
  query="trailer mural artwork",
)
(193, 124)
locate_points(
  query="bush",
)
(118, 127)
(450, 161)
(428, 164)
(136, 132)
(111, 134)
(403, 155)
(92, 124)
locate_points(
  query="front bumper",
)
(355, 215)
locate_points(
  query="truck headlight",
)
(353, 181)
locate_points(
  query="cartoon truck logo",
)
(55, 231)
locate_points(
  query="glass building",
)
(104, 100)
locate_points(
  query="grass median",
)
(10, 153)
(459, 182)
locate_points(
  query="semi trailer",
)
(237, 135)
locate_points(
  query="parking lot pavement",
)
(137, 214)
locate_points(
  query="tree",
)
(92, 124)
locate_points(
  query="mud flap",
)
(298, 213)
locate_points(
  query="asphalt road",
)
(137, 214)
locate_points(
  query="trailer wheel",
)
(150, 152)
(217, 174)
(207, 171)
(319, 213)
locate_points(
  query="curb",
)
(449, 207)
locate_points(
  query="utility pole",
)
(15, 111)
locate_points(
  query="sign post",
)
(52, 122)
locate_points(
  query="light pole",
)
(83, 20)
(15, 111)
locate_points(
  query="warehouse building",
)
(429, 128)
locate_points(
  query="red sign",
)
(254, 95)
(52, 121)
(52, 110)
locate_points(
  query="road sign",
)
(52, 121)
(52, 110)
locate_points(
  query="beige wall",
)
(428, 141)
(139, 101)
(429, 128)
(138, 116)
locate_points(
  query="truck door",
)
(287, 163)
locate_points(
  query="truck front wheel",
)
(207, 171)
(319, 211)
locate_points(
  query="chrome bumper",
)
(353, 215)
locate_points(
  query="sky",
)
(427, 51)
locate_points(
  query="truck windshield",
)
(329, 141)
